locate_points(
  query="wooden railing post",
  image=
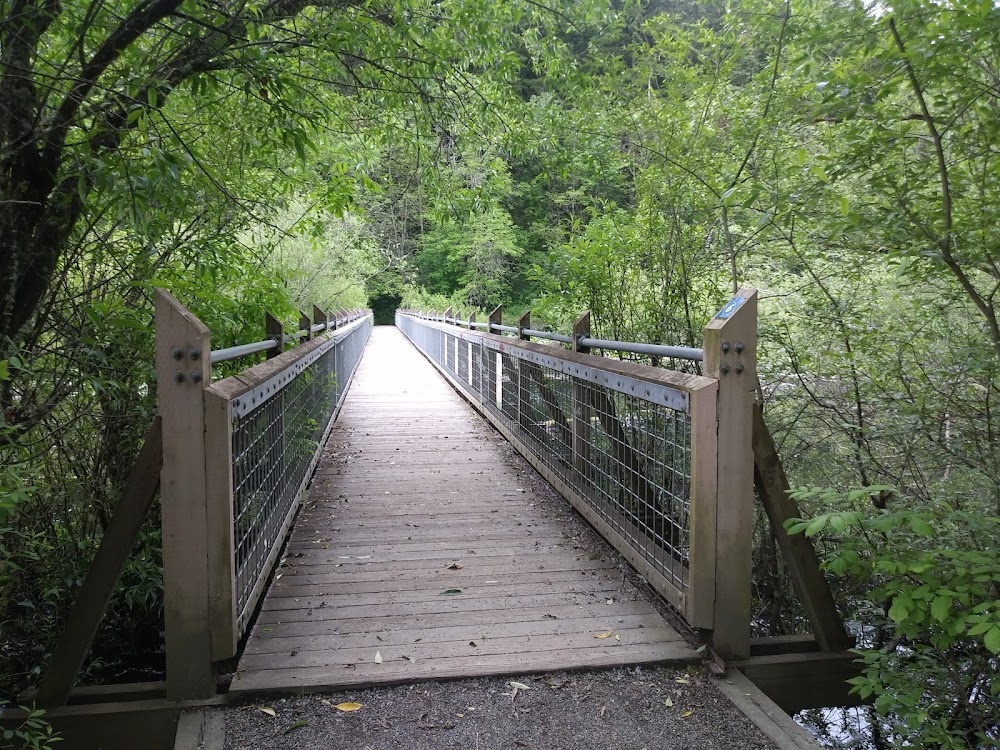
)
(496, 319)
(183, 366)
(274, 330)
(318, 315)
(523, 396)
(730, 343)
(305, 325)
(581, 404)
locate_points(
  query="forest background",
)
(638, 159)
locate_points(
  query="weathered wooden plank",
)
(277, 643)
(463, 644)
(487, 617)
(401, 671)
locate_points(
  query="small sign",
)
(732, 306)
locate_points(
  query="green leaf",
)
(898, 611)
(992, 639)
(921, 527)
(296, 725)
(845, 206)
(451, 592)
(940, 607)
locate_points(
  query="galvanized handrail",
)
(243, 350)
(653, 350)
(277, 342)
(688, 353)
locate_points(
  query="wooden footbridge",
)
(412, 524)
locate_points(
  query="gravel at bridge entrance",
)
(615, 709)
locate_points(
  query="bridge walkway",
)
(428, 549)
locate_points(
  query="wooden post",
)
(183, 367)
(319, 316)
(305, 325)
(730, 342)
(496, 319)
(274, 330)
(523, 397)
(469, 344)
(447, 314)
(524, 322)
(581, 405)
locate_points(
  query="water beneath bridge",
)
(428, 549)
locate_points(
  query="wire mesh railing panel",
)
(623, 445)
(277, 431)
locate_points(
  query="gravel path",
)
(617, 709)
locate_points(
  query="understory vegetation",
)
(640, 159)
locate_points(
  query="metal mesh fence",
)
(623, 445)
(277, 431)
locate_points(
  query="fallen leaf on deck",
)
(451, 592)
(266, 710)
(519, 686)
(682, 681)
(378, 658)
(617, 637)
(472, 643)
(456, 566)
(605, 634)
(296, 725)
(604, 710)
(668, 703)
(345, 707)
(686, 714)
(595, 556)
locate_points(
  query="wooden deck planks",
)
(417, 496)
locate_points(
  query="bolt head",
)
(725, 347)
(178, 377)
(196, 376)
(724, 368)
(194, 353)
(177, 352)
(739, 347)
(739, 368)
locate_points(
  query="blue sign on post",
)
(732, 306)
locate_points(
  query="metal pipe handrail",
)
(235, 352)
(536, 334)
(244, 350)
(652, 350)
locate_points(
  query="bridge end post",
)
(183, 366)
(730, 342)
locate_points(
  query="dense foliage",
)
(637, 159)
